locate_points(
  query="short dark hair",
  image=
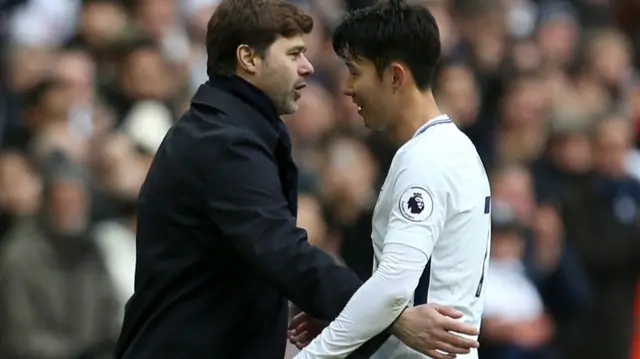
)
(392, 31)
(35, 96)
(124, 49)
(257, 23)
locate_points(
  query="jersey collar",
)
(438, 120)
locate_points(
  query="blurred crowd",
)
(547, 90)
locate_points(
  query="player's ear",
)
(246, 58)
(398, 74)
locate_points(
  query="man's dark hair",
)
(392, 31)
(256, 23)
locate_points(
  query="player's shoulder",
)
(413, 157)
(416, 169)
(437, 136)
(429, 150)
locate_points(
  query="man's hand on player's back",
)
(431, 329)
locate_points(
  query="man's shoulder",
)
(205, 131)
(193, 150)
(215, 107)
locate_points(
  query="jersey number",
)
(487, 210)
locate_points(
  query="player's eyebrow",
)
(298, 49)
(350, 65)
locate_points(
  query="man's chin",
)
(289, 109)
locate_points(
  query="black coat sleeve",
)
(246, 202)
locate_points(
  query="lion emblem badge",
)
(416, 204)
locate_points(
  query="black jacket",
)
(218, 250)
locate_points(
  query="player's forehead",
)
(358, 62)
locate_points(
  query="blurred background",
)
(547, 90)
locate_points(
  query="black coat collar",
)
(218, 89)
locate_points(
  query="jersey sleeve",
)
(374, 307)
(419, 205)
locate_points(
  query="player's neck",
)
(417, 109)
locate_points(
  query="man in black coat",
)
(218, 250)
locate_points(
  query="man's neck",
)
(248, 79)
(417, 109)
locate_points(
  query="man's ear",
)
(247, 58)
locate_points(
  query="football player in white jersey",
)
(431, 224)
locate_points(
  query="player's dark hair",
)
(392, 31)
(256, 23)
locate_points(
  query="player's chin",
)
(372, 125)
(367, 122)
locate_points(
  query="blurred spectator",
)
(601, 218)
(347, 187)
(310, 218)
(558, 34)
(43, 22)
(548, 262)
(513, 185)
(75, 67)
(121, 172)
(565, 163)
(142, 74)
(458, 94)
(524, 110)
(19, 198)
(101, 22)
(57, 300)
(47, 107)
(515, 324)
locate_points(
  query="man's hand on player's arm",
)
(425, 328)
(376, 305)
(431, 327)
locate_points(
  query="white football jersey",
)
(436, 198)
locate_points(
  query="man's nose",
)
(306, 68)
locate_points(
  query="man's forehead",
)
(289, 43)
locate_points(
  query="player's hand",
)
(433, 330)
(303, 329)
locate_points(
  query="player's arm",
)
(412, 231)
